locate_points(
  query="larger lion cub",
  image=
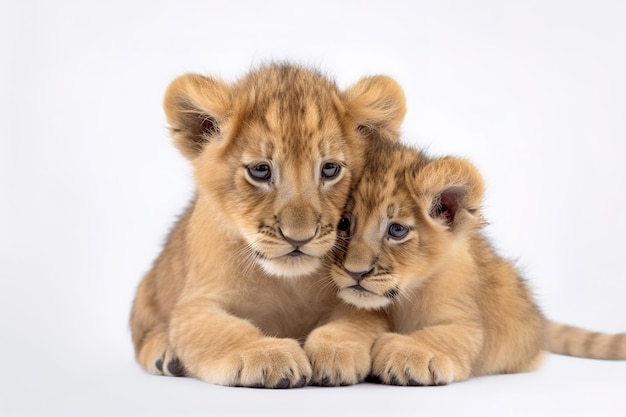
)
(240, 279)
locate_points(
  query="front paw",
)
(157, 356)
(170, 365)
(336, 361)
(273, 363)
(402, 360)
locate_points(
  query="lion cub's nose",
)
(295, 241)
(359, 276)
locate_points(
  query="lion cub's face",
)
(293, 176)
(275, 153)
(402, 223)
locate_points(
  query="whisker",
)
(326, 283)
(405, 295)
(245, 257)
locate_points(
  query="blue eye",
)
(330, 170)
(260, 172)
(397, 231)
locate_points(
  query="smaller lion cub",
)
(414, 251)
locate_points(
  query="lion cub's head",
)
(274, 155)
(408, 216)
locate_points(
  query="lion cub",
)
(454, 308)
(241, 277)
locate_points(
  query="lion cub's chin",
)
(361, 298)
(290, 266)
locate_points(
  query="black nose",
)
(295, 242)
(359, 276)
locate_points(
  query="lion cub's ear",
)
(195, 107)
(377, 106)
(451, 191)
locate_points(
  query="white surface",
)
(533, 92)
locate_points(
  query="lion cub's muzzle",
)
(365, 285)
(297, 243)
(296, 239)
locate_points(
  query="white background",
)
(533, 92)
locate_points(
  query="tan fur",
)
(573, 341)
(454, 307)
(225, 302)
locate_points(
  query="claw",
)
(175, 367)
(393, 380)
(282, 384)
(159, 364)
(300, 383)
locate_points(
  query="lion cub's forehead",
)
(292, 111)
(384, 190)
(383, 201)
(277, 136)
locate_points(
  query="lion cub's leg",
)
(220, 348)
(152, 348)
(146, 326)
(436, 355)
(340, 351)
(151, 352)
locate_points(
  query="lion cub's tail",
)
(572, 341)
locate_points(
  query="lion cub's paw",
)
(167, 364)
(336, 361)
(157, 357)
(170, 365)
(273, 363)
(401, 360)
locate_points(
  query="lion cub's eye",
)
(330, 170)
(397, 231)
(344, 224)
(260, 172)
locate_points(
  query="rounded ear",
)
(195, 107)
(451, 190)
(377, 106)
